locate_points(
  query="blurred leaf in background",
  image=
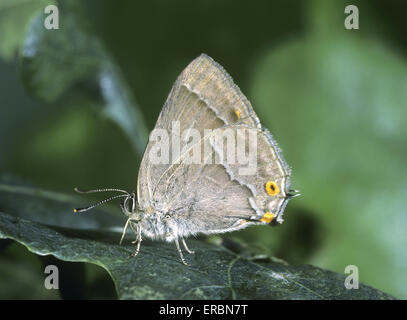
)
(15, 15)
(341, 105)
(78, 84)
(72, 64)
(334, 99)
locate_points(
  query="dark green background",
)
(334, 99)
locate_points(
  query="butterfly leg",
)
(180, 252)
(124, 231)
(135, 231)
(186, 247)
(139, 239)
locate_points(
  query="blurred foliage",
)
(15, 15)
(334, 99)
(82, 72)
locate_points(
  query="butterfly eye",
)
(129, 204)
(272, 188)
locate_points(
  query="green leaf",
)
(157, 272)
(72, 64)
(15, 15)
(337, 107)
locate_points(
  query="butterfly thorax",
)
(154, 223)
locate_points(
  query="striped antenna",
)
(99, 203)
(100, 190)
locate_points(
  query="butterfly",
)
(190, 181)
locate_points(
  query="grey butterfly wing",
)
(208, 202)
(214, 198)
(210, 196)
(192, 109)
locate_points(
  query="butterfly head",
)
(129, 204)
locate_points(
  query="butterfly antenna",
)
(99, 203)
(100, 190)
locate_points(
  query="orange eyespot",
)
(272, 188)
(268, 217)
(237, 113)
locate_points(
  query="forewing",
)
(203, 97)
